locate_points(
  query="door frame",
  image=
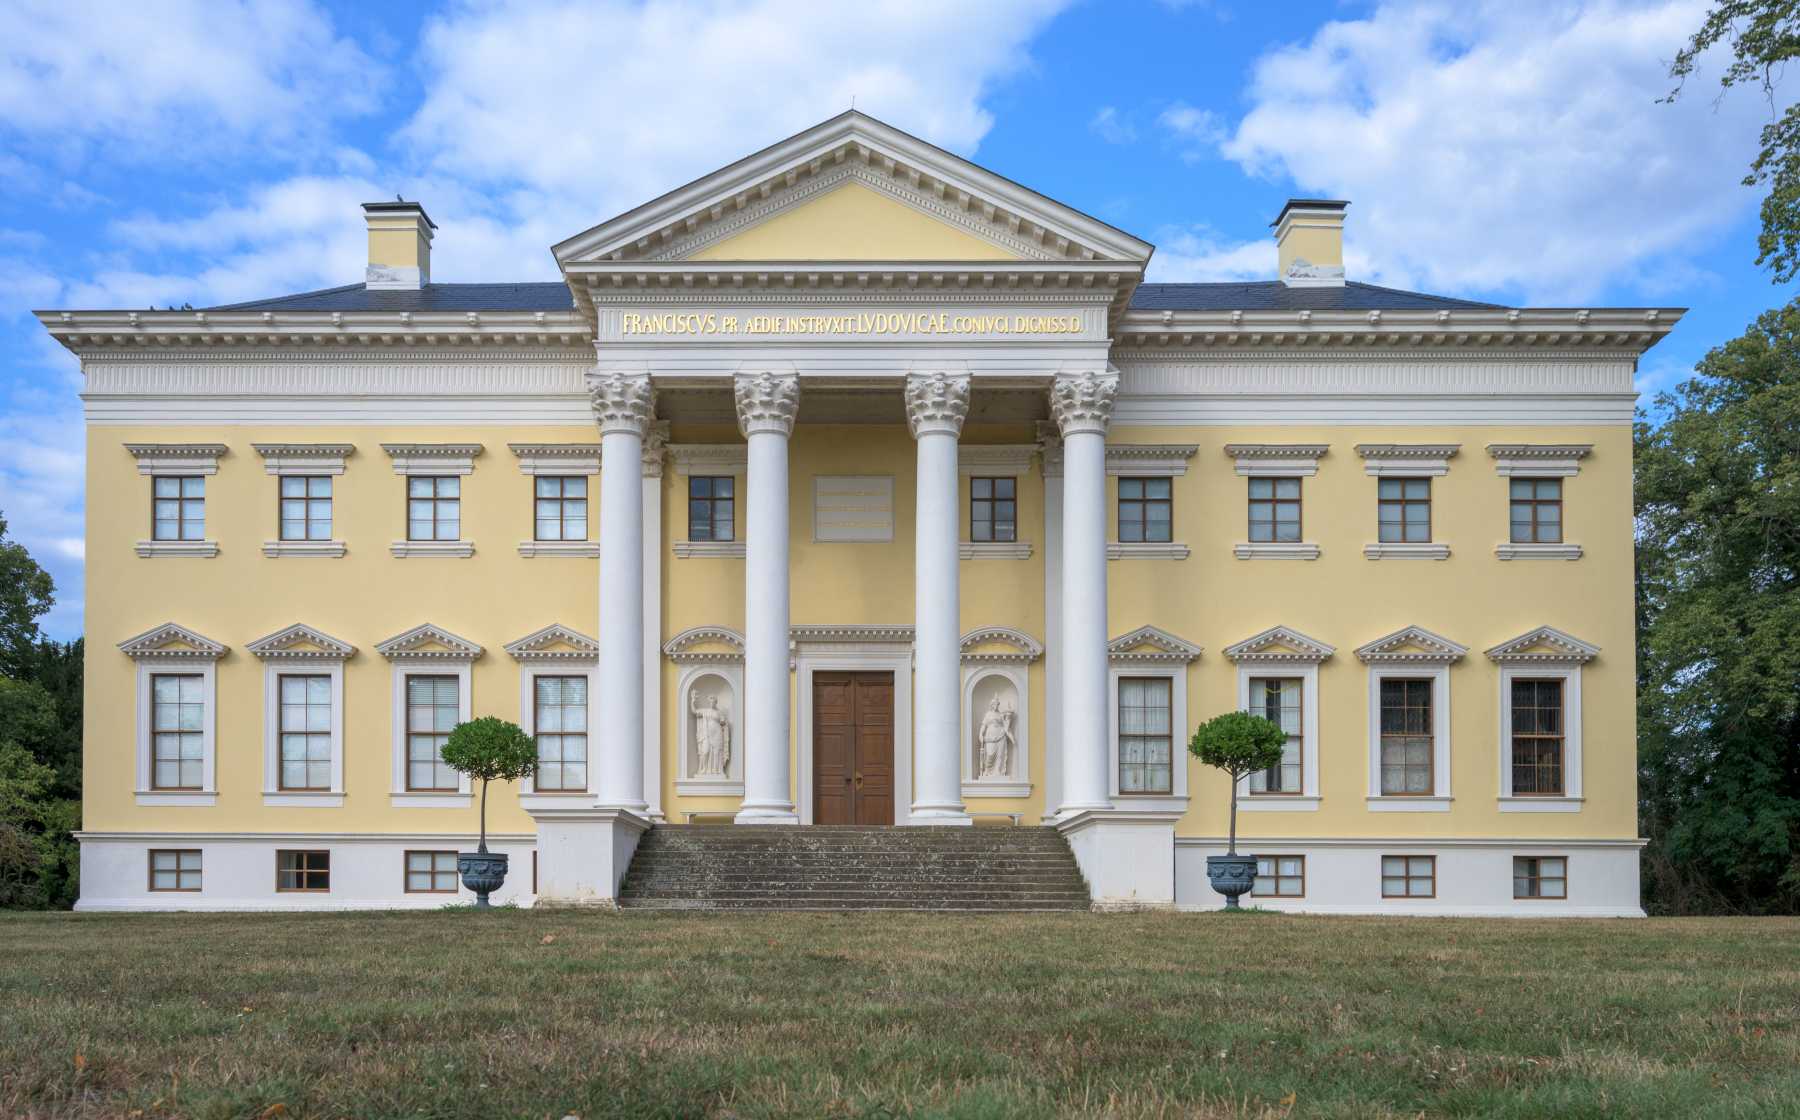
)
(892, 655)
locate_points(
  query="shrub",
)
(1239, 744)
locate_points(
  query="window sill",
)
(556, 800)
(304, 799)
(431, 800)
(1541, 804)
(1397, 550)
(995, 789)
(195, 797)
(1146, 550)
(529, 549)
(1400, 804)
(1275, 550)
(708, 787)
(711, 550)
(996, 550)
(458, 550)
(1278, 803)
(1510, 551)
(274, 550)
(204, 550)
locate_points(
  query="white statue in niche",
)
(996, 738)
(712, 737)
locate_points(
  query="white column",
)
(1050, 456)
(655, 439)
(624, 405)
(1082, 406)
(936, 404)
(766, 404)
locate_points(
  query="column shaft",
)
(766, 405)
(936, 405)
(623, 405)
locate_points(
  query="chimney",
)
(1309, 241)
(399, 246)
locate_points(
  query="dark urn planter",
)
(482, 872)
(1231, 876)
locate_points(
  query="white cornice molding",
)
(1149, 458)
(304, 458)
(1165, 648)
(1279, 645)
(433, 458)
(557, 458)
(680, 649)
(1025, 648)
(1538, 460)
(800, 635)
(1285, 460)
(172, 642)
(1626, 329)
(1430, 649)
(709, 458)
(87, 332)
(994, 458)
(537, 646)
(281, 645)
(406, 645)
(177, 458)
(1565, 649)
(1407, 460)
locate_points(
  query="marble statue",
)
(712, 738)
(996, 736)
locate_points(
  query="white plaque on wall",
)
(853, 508)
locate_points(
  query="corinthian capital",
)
(766, 401)
(936, 402)
(1083, 402)
(623, 401)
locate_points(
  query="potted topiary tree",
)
(490, 749)
(1239, 744)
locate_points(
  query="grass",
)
(543, 1014)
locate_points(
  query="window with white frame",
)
(1146, 739)
(1274, 510)
(1278, 699)
(180, 513)
(1537, 737)
(303, 749)
(178, 720)
(560, 507)
(559, 719)
(432, 671)
(1146, 510)
(1407, 745)
(432, 707)
(177, 709)
(1280, 877)
(1539, 743)
(434, 508)
(305, 731)
(1409, 720)
(306, 508)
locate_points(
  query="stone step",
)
(845, 905)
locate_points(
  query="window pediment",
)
(1000, 643)
(301, 642)
(555, 642)
(431, 642)
(1279, 645)
(173, 641)
(1151, 645)
(1545, 645)
(705, 644)
(1413, 645)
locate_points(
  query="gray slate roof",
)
(1267, 295)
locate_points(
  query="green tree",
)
(26, 592)
(1718, 601)
(1239, 744)
(491, 749)
(38, 857)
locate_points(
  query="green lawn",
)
(515, 1013)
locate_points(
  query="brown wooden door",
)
(853, 748)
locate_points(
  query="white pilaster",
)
(655, 440)
(766, 404)
(936, 405)
(624, 405)
(1050, 456)
(1081, 404)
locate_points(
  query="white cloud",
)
(1494, 145)
(192, 73)
(1109, 126)
(1197, 131)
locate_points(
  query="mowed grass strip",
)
(541, 1014)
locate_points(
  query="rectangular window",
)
(1145, 512)
(1537, 737)
(305, 731)
(180, 508)
(1540, 877)
(993, 509)
(306, 508)
(560, 722)
(561, 508)
(1405, 510)
(1278, 699)
(1145, 741)
(175, 869)
(1280, 877)
(712, 509)
(1274, 509)
(434, 509)
(430, 872)
(1406, 736)
(1409, 876)
(1537, 510)
(302, 871)
(177, 718)
(431, 711)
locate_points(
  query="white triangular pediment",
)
(1545, 644)
(301, 642)
(555, 642)
(696, 644)
(1000, 643)
(429, 641)
(173, 641)
(1280, 644)
(949, 205)
(1414, 644)
(1151, 643)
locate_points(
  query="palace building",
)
(856, 484)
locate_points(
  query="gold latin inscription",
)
(868, 323)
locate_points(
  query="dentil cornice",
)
(936, 402)
(1083, 402)
(767, 401)
(622, 401)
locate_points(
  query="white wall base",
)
(1474, 877)
(1126, 857)
(583, 854)
(238, 871)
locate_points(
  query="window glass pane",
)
(1156, 488)
(1131, 488)
(1287, 488)
(193, 487)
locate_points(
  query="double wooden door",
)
(853, 748)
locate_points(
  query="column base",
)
(583, 854)
(766, 814)
(1126, 856)
(940, 815)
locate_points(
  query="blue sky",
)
(206, 151)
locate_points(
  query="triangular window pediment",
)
(1414, 644)
(301, 642)
(1151, 643)
(554, 643)
(429, 641)
(173, 641)
(1282, 645)
(1545, 644)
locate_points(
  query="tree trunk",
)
(482, 847)
(1231, 845)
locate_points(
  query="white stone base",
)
(1474, 877)
(1126, 857)
(583, 854)
(238, 871)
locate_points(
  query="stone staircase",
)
(748, 867)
